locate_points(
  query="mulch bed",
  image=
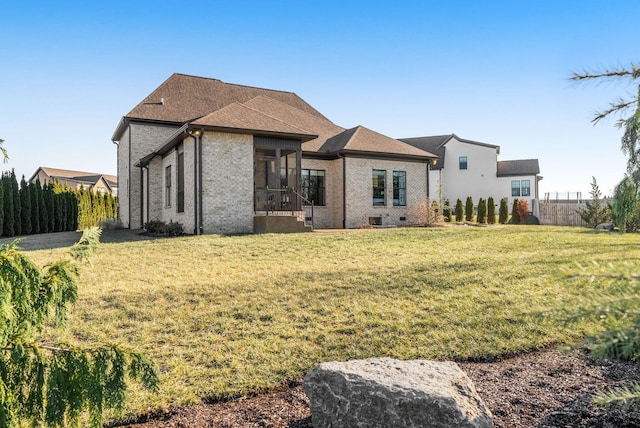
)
(539, 389)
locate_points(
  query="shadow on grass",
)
(50, 241)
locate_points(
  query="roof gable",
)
(312, 124)
(240, 117)
(361, 139)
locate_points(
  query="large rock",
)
(383, 392)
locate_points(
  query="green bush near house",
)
(468, 209)
(491, 211)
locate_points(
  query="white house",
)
(470, 168)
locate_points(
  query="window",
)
(399, 188)
(167, 186)
(313, 186)
(463, 162)
(180, 167)
(515, 188)
(526, 188)
(379, 180)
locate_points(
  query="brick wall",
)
(227, 183)
(330, 215)
(144, 139)
(359, 190)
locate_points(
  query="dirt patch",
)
(541, 389)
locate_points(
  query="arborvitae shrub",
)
(446, 210)
(25, 202)
(482, 211)
(17, 205)
(491, 210)
(459, 211)
(35, 208)
(468, 209)
(8, 212)
(515, 218)
(503, 212)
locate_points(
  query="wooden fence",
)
(561, 213)
(564, 213)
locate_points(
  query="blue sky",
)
(490, 71)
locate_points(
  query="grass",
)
(225, 316)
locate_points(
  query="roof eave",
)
(364, 153)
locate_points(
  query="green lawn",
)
(231, 315)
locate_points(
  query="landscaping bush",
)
(459, 211)
(482, 211)
(491, 211)
(523, 211)
(425, 213)
(174, 229)
(158, 227)
(468, 209)
(503, 214)
(594, 212)
(626, 206)
(446, 210)
(515, 218)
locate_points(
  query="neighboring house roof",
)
(78, 179)
(518, 167)
(436, 145)
(93, 177)
(364, 140)
(182, 98)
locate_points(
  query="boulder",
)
(383, 392)
(605, 226)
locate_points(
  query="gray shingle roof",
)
(518, 167)
(433, 144)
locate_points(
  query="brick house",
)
(76, 180)
(226, 158)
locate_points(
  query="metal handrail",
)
(282, 200)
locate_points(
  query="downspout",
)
(197, 185)
(148, 182)
(141, 197)
(200, 222)
(117, 143)
(428, 170)
(344, 190)
(130, 164)
(195, 182)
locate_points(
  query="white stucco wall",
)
(479, 180)
(505, 187)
